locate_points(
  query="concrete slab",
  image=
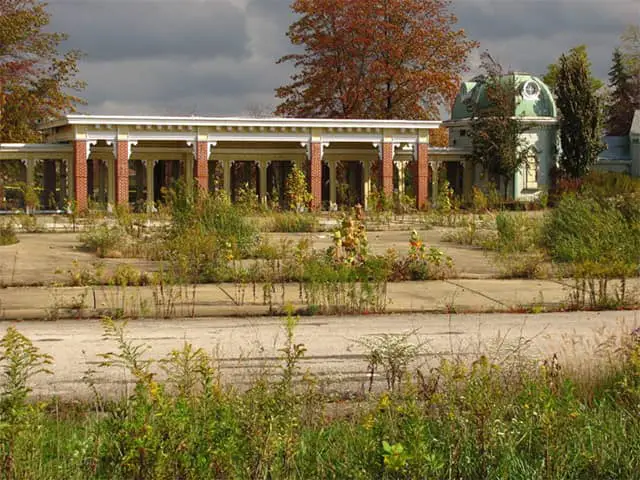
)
(246, 348)
(248, 299)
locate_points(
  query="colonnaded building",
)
(129, 159)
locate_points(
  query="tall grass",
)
(7, 234)
(473, 420)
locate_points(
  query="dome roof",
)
(534, 97)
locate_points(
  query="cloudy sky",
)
(217, 57)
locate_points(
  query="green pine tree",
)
(620, 108)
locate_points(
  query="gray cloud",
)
(527, 35)
(505, 20)
(115, 30)
(218, 56)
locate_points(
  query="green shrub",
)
(494, 416)
(609, 184)
(211, 215)
(516, 232)
(297, 190)
(596, 243)
(7, 234)
(522, 264)
(105, 240)
(292, 222)
(479, 201)
(582, 229)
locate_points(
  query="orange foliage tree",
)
(439, 137)
(36, 80)
(373, 59)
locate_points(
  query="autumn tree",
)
(580, 115)
(439, 137)
(373, 59)
(496, 131)
(37, 81)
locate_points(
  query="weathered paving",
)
(249, 347)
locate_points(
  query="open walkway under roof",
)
(129, 159)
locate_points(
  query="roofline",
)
(196, 121)
(534, 120)
(36, 147)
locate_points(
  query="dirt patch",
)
(38, 256)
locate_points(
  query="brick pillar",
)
(201, 166)
(80, 174)
(387, 169)
(421, 178)
(315, 174)
(122, 172)
(49, 191)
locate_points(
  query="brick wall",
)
(80, 174)
(201, 166)
(315, 177)
(122, 172)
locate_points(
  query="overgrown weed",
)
(494, 414)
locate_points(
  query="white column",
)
(518, 179)
(263, 165)
(366, 183)
(401, 165)
(435, 167)
(65, 188)
(150, 165)
(187, 161)
(102, 181)
(226, 176)
(111, 183)
(333, 194)
(30, 164)
(467, 179)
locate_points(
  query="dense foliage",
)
(363, 59)
(36, 80)
(622, 97)
(501, 416)
(496, 132)
(580, 115)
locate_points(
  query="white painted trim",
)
(533, 121)
(259, 137)
(258, 151)
(194, 121)
(36, 147)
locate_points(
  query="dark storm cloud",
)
(528, 35)
(111, 30)
(151, 81)
(218, 56)
(504, 20)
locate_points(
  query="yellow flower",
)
(368, 422)
(384, 402)
(153, 390)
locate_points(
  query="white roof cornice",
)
(193, 121)
(34, 147)
(526, 120)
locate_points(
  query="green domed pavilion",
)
(537, 109)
